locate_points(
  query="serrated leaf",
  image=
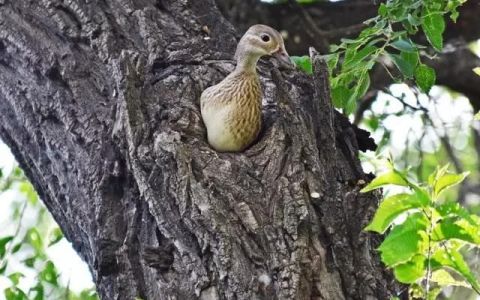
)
(405, 241)
(425, 77)
(448, 180)
(410, 271)
(453, 259)
(390, 208)
(433, 25)
(454, 209)
(456, 228)
(443, 278)
(391, 177)
(303, 63)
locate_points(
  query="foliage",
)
(24, 251)
(386, 40)
(427, 232)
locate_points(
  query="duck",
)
(232, 109)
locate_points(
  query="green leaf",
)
(15, 277)
(457, 228)
(477, 116)
(410, 271)
(404, 45)
(454, 209)
(448, 180)
(332, 60)
(390, 208)
(27, 189)
(443, 278)
(16, 248)
(340, 96)
(453, 259)
(34, 239)
(476, 70)
(353, 58)
(55, 236)
(30, 262)
(406, 62)
(40, 291)
(303, 63)
(49, 273)
(14, 293)
(425, 77)
(3, 245)
(391, 177)
(434, 25)
(383, 10)
(405, 241)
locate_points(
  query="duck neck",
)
(246, 62)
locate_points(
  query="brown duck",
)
(232, 109)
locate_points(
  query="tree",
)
(99, 104)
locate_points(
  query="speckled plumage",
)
(232, 109)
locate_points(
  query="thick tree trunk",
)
(99, 103)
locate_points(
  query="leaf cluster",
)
(387, 40)
(24, 252)
(426, 234)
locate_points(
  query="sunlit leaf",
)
(55, 236)
(34, 239)
(390, 208)
(49, 273)
(454, 228)
(448, 180)
(443, 278)
(391, 177)
(14, 293)
(410, 271)
(15, 277)
(453, 259)
(405, 241)
(434, 25)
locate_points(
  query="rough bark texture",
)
(99, 103)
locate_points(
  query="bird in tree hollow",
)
(232, 109)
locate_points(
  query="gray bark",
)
(99, 104)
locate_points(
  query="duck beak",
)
(282, 56)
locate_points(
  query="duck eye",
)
(265, 38)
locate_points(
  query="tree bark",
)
(99, 102)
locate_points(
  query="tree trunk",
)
(99, 102)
